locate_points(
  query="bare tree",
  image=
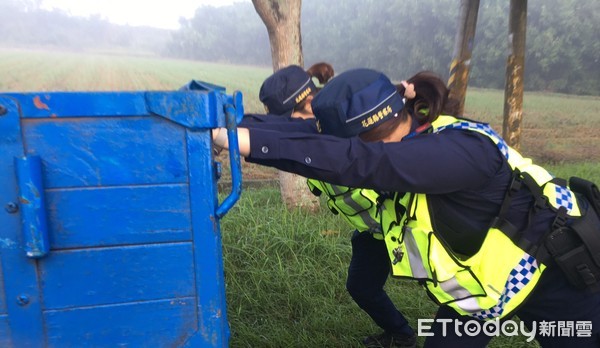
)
(282, 19)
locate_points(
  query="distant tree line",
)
(403, 37)
(24, 24)
(396, 37)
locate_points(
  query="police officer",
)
(477, 230)
(288, 93)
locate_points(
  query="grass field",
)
(286, 270)
(26, 70)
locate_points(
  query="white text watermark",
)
(496, 327)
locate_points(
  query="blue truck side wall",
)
(108, 230)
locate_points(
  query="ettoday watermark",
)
(494, 328)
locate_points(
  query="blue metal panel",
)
(80, 104)
(165, 323)
(135, 254)
(183, 108)
(104, 151)
(19, 272)
(3, 309)
(4, 328)
(4, 331)
(120, 215)
(101, 276)
(207, 245)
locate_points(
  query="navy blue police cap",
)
(283, 90)
(356, 101)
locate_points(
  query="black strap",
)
(540, 201)
(500, 222)
(514, 187)
(540, 250)
(315, 191)
(587, 228)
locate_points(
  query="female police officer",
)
(483, 227)
(288, 93)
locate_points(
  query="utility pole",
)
(515, 69)
(463, 47)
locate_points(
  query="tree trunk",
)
(515, 71)
(463, 48)
(282, 19)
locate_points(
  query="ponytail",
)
(430, 97)
(322, 71)
(426, 98)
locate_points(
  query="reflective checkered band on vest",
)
(518, 278)
(564, 197)
(483, 127)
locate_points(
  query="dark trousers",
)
(368, 271)
(553, 300)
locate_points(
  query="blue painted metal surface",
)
(33, 206)
(110, 218)
(234, 113)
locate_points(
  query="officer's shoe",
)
(390, 340)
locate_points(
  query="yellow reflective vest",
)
(498, 278)
(357, 206)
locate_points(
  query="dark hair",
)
(321, 71)
(431, 100)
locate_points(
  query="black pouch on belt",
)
(588, 189)
(576, 247)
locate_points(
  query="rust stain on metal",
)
(39, 103)
(24, 200)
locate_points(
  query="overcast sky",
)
(156, 13)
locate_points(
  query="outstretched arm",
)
(429, 163)
(219, 136)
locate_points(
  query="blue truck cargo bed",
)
(109, 220)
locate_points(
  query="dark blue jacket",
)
(463, 173)
(280, 123)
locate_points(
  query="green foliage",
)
(402, 37)
(563, 46)
(230, 34)
(399, 38)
